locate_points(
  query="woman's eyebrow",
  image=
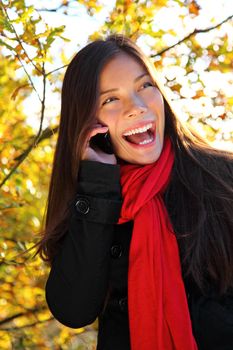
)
(140, 77)
(115, 89)
(106, 91)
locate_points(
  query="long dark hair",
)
(199, 197)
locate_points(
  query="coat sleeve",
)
(78, 280)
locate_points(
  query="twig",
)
(18, 56)
(16, 165)
(19, 40)
(11, 262)
(9, 239)
(44, 135)
(29, 78)
(47, 133)
(37, 137)
(55, 70)
(196, 31)
(55, 9)
(27, 325)
(42, 106)
(20, 314)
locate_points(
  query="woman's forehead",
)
(122, 66)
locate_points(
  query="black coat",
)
(88, 278)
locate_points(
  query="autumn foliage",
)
(195, 63)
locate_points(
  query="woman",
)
(124, 211)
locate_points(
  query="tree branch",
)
(12, 171)
(42, 106)
(47, 133)
(19, 40)
(37, 137)
(196, 31)
(18, 56)
(11, 262)
(55, 70)
(27, 325)
(20, 314)
(56, 8)
(29, 78)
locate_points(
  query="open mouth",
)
(141, 136)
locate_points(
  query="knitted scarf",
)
(158, 311)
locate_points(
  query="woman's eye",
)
(108, 100)
(147, 84)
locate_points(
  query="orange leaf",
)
(194, 8)
(15, 93)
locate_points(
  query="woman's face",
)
(132, 107)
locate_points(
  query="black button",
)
(82, 205)
(123, 304)
(116, 251)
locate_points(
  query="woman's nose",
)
(135, 107)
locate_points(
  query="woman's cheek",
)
(108, 113)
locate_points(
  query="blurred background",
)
(190, 43)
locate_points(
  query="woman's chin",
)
(140, 156)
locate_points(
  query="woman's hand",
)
(97, 154)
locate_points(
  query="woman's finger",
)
(97, 130)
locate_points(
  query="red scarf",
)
(158, 311)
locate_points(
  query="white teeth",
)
(139, 130)
(145, 142)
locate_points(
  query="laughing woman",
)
(139, 228)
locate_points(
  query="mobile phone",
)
(103, 142)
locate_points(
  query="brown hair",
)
(199, 197)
